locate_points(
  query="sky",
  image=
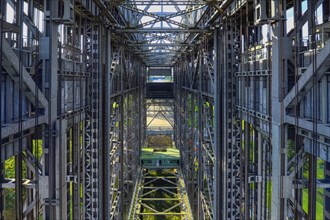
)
(290, 22)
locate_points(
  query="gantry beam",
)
(158, 2)
(162, 30)
(160, 44)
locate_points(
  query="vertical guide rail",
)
(315, 97)
(121, 144)
(297, 140)
(107, 119)
(50, 136)
(114, 142)
(234, 123)
(87, 152)
(91, 152)
(218, 175)
(200, 137)
(227, 125)
(95, 153)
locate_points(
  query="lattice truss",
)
(279, 143)
(162, 30)
(196, 128)
(160, 195)
(124, 126)
(47, 109)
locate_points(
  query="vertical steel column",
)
(260, 197)
(76, 210)
(218, 166)
(255, 164)
(193, 151)
(141, 105)
(121, 141)
(100, 59)
(113, 138)
(140, 113)
(186, 100)
(136, 71)
(235, 122)
(277, 130)
(247, 202)
(195, 132)
(200, 137)
(50, 149)
(93, 151)
(315, 97)
(76, 170)
(18, 156)
(229, 130)
(2, 116)
(106, 119)
(88, 165)
(225, 88)
(82, 105)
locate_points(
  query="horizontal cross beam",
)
(163, 30)
(161, 45)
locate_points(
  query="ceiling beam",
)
(182, 2)
(160, 45)
(162, 30)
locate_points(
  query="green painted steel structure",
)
(153, 158)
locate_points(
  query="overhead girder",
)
(162, 19)
(161, 30)
(183, 31)
(163, 16)
(159, 45)
(159, 2)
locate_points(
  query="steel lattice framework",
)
(250, 111)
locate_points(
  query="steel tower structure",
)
(247, 101)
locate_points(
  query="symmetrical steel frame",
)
(251, 105)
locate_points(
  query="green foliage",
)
(319, 191)
(37, 148)
(10, 199)
(319, 204)
(163, 204)
(269, 194)
(290, 149)
(9, 167)
(9, 193)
